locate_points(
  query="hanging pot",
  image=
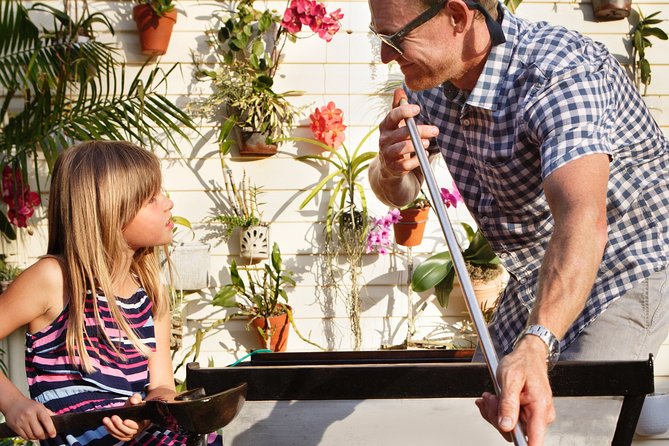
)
(409, 230)
(190, 265)
(154, 31)
(255, 144)
(254, 242)
(607, 10)
(278, 327)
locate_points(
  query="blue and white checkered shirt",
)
(546, 97)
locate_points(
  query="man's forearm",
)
(393, 190)
(568, 272)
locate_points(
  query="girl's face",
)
(152, 226)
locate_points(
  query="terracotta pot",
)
(409, 230)
(487, 292)
(255, 144)
(606, 10)
(279, 329)
(154, 31)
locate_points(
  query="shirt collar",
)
(487, 88)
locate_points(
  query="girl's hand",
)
(126, 430)
(30, 419)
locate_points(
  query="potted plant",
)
(261, 297)
(484, 268)
(247, 49)
(410, 227)
(155, 20)
(607, 10)
(347, 221)
(242, 212)
(640, 37)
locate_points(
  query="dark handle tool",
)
(191, 412)
(487, 346)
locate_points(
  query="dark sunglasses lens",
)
(388, 41)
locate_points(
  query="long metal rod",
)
(475, 312)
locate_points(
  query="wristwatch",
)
(549, 339)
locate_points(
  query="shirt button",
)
(465, 122)
(484, 219)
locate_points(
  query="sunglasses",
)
(395, 40)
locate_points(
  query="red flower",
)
(314, 15)
(20, 200)
(327, 124)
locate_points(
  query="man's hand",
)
(396, 153)
(388, 172)
(125, 430)
(525, 393)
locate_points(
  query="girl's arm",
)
(35, 299)
(161, 383)
(161, 376)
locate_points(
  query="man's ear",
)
(460, 15)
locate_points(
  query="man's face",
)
(430, 52)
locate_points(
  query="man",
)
(562, 167)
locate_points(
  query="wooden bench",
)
(418, 374)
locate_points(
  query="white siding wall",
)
(347, 71)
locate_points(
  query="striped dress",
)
(55, 382)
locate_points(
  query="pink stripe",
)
(74, 407)
(52, 378)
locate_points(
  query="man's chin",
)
(418, 83)
(421, 84)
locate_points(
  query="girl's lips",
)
(170, 224)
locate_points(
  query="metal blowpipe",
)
(485, 340)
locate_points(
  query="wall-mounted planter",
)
(607, 10)
(255, 144)
(190, 262)
(154, 31)
(254, 243)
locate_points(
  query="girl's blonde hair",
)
(97, 188)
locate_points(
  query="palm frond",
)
(58, 88)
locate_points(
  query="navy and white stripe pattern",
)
(546, 97)
(56, 382)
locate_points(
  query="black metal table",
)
(418, 374)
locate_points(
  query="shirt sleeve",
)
(572, 115)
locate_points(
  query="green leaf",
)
(657, 32)
(265, 81)
(258, 48)
(225, 297)
(276, 257)
(431, 271)
(443, 289)
(6, 227)
(318, 188)
(182, 221)
(237, 281)
(644, 66)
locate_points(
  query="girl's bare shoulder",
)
(36, 297)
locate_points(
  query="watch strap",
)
(547, 337)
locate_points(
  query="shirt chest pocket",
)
(509, 171)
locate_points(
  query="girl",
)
(97, 316)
